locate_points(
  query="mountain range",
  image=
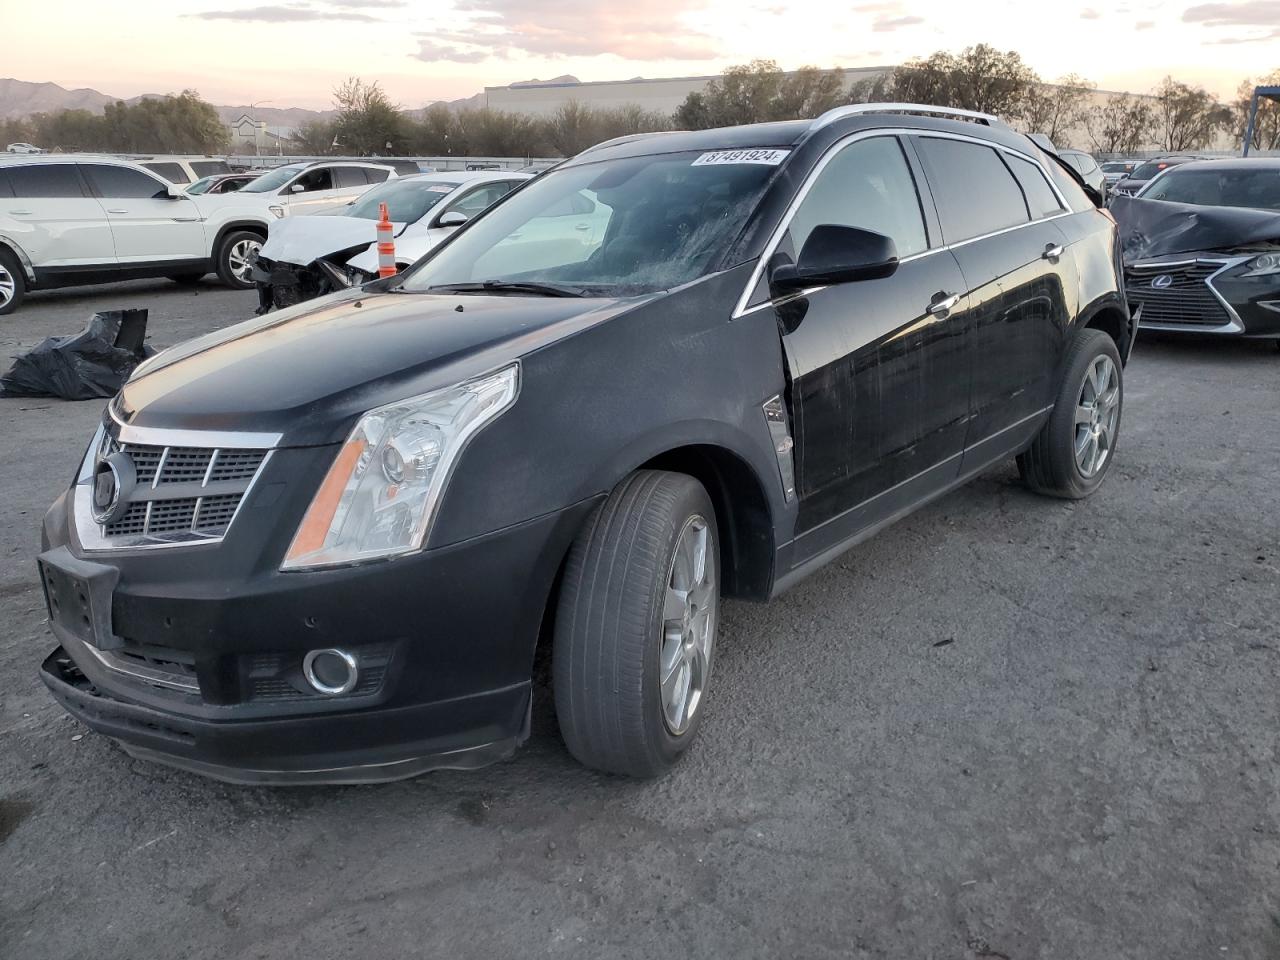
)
(19, 98)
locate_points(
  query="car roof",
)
(469, 176)
(1233, 163)
(15, 160)
(792, 133)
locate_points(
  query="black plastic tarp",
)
(92, 363)
(1154, 228)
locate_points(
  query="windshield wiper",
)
(511, 286)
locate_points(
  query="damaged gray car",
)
(1201, 246)
(307, 257)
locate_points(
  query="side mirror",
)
(297, 188)
(452, 219)
(835, 254)
(174, 192)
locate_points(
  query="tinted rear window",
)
(46, 180)
(974, 191)
(170, 171)
(111, 181)
(349, 177)
(1040, 196)
(377, 176)
(204, 168)
(5, 189)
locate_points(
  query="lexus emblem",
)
(1162, 282)
(113, 482)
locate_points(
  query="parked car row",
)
(675, 368)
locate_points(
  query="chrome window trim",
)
(912, 109)
(1234, 325)
(744, 307)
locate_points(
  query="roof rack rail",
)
(854, 109)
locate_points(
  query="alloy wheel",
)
(1097, 412)
(688, 625)
(241, 256)
(8, 286)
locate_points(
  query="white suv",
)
(314, 187)
(84, 219)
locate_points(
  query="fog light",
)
(331, 672)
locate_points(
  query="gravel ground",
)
(1007, 727)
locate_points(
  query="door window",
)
(5, 189)
(868, 184)
(46, 180)
(313, 180)
(480, 199)
(377, 174)
(121, 182)
(1040, 196)
(172, 172)
(205, 168)
(346, 177)
(974, 191)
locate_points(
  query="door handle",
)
(116, 210)
(21, 213)
(1052, 252)
(583, 227)
(942, 304)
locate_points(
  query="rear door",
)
(879, 369)
(62, 224)
(313, 191)
(148, 225)
(1021, 282)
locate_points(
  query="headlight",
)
(381, 494)
(1266, 265)
(276, 209)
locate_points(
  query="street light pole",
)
(257, 128)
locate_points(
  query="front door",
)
(147, 224)
(879, 369)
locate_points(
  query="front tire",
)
(1073, 452)
(13, 282)
(235, 258)
(636, 626)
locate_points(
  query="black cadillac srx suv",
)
(322, 545)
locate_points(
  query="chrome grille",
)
(1187, 301)
(183, 492)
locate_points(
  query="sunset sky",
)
(293, 52)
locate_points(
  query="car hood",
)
(410, 247)
(302, 240)
(1154, 228)
(307, 372)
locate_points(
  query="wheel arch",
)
(11, 245)
(1112, 318)
(259, 227)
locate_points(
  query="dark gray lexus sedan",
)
(324, 544)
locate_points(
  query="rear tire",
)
(636, 625)
(1074, 450)
(234, 256)
(13, 282)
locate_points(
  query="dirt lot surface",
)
(1008, 727)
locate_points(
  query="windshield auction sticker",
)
(769, 158)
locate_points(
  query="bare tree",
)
(978, 78)
(1266, 129)
(1056, 109)
(1121, 124)
(1187, 117)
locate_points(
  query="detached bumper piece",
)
(303, 750)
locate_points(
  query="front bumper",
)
(207, 676)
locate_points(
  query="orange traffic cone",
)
(386, 244)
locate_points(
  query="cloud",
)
(1088, 13)
(887, 24)
(1144, 25)
(365, 4)
(279, 14)
(571, 28)
(1250, 13)
(1273, 35)
(432, 52)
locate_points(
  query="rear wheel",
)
(235, 258)
(1072, 453)
(636, 626)
(13, 282)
